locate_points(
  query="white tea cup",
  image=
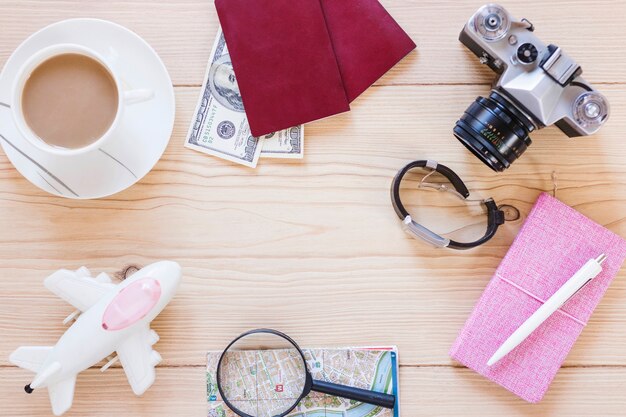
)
(125, 98)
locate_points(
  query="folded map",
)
(368, 368)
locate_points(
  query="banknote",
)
(288, 144)
(219, 126)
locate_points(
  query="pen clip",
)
(577, 291)
(599, 260)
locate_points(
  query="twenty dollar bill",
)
(220, 126)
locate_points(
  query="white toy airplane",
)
(113, 318)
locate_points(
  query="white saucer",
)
(144, 131)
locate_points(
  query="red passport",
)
(368, 42)
(302, 60)
(284, 61)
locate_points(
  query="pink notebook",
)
(553, 244)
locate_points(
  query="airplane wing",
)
(77, 288)
(138, 359)
(62, 395)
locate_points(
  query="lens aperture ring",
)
(519, 141)
(480, 147)
(495, 131)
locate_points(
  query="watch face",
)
(419, 232)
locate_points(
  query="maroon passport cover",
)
(284, 60)
(368, 42)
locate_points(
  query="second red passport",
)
(367, 41)
(284, 61)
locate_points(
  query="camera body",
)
(538, 85)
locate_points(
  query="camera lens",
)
(495, 131)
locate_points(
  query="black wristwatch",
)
(495, 217)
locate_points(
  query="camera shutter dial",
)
(492, 22)
(527, 53)
(591, 110)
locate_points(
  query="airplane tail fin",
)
(32, 358)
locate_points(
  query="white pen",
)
(581, 278)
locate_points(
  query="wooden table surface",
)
(313, 247)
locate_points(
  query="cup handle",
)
(138, 96)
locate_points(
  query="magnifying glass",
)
(263, 373)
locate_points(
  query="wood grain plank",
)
(310, 247)
(423, 319)
(430, 391)
(182, 32)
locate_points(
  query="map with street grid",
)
(265, 383)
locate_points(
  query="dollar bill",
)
(287, 144)
(220, 127)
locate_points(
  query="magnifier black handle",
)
(356, 394)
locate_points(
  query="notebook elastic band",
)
(582, 323)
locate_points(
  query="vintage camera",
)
(537, 86)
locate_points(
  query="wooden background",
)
(313, 247)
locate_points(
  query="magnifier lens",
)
(262, 375)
